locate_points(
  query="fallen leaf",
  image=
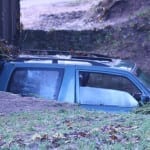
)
(58, 135)
(37, 136)
(2, 143)
(135, 139)
(94, 130)
(114, 137)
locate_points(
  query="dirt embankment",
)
(127, 25)
(13, 103)
(119, 28)
(78, 15)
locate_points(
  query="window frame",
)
(108, 71)
(111, 76)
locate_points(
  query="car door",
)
(99, 89)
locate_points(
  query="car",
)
(93, 81)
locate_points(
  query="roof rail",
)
(56, 60)
(73, 54)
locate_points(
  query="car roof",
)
(74, 58)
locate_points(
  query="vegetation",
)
(143, 110)
(4, 52)
(74, 129)
(7, 51)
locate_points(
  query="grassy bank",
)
(74, 129)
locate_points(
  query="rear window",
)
(43, 83)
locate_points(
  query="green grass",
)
(144, 109)
(75, 129)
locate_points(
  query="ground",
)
(13, 103)
(28, 123)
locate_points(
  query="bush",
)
(7, 51)
(144, 109)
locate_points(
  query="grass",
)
(74, 129)
(144, 109)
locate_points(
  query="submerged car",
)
(91, 80)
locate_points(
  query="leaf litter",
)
(73, 127)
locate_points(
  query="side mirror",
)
(138, 96)
(141, 99)
(146, 99)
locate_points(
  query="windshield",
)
(143, 77)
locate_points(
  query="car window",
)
(36, 82)
(107, 81)
(105, 89)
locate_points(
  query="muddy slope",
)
(119, 28)
(28, 104)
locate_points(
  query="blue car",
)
(93, 81)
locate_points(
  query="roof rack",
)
(73, 54)
(56, 60)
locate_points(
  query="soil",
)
(78, 15)
(124, 23)
(13, 103)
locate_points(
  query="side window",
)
(107, 82)
(107, 89)
(36, 82)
